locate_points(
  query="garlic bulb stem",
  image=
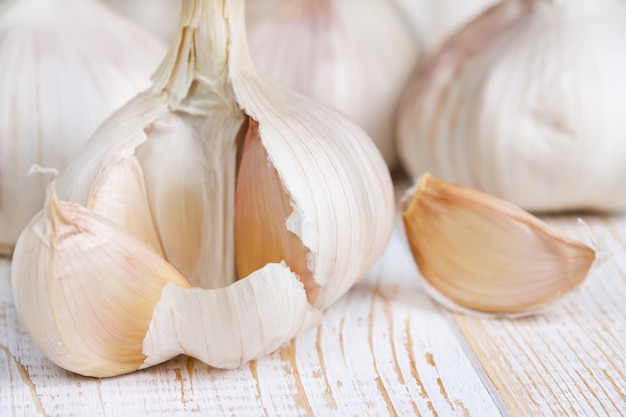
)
(202, 53)
(195, 75)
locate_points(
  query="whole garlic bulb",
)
(433, 21)
(353, 55)
(525, 104)
(215, 215)
(64, 67)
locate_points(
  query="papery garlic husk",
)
(482, 255)
(525, 104)
(434, 21)
(156, 16)
(64, 67)
(353, 55)
(270, 205)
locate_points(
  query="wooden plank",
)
(571, 360)
(383, 349)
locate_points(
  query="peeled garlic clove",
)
(481, 254)
(64, 67)
(356, 57)
(85, 289)
(209, 164)
(261, 232)
(513, 105)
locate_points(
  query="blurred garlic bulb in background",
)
(156, 16)
(526, 103)
(64, 67)
(433, 21)
(355, 55)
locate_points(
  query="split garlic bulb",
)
(353, 55)
(64, 67)
(214, 215)
(525, 104)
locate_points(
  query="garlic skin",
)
(125, 293)
(524, 104)
(482, 255)
(64, 66)
(353, 55)
(176, 170)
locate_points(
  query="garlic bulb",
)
(156, 16)
(433, 21)
(217, 212)
(353, 55)
(64, 67)
(525, 104)
(479, 254)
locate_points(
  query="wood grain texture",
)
(382, 349)
(570, 360)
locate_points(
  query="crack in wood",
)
(456, 405)
(408, 345)
(181, 381)
(379, 382)
(190, 366)
(389, 317)
(254, 371)
(288, 354)
(23, 371)
(328, 394)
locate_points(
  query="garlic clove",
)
(86, 288)
(124, 183)
(262, 209)
(117, 306)
(339, 188)
(246, 320)
(64, 67)
(172, 158)
(481, 254)
(356, 57)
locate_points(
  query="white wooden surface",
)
(383, 349)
